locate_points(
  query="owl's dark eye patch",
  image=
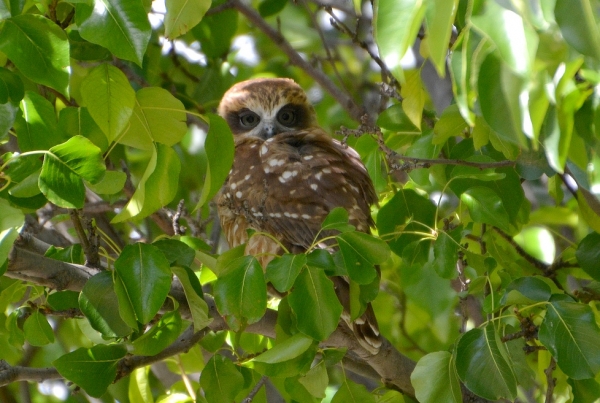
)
(287, 116)
(248, 119)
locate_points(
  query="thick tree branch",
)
(355, 111)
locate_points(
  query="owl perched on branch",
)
(287, 175)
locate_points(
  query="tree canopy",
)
(479, 124)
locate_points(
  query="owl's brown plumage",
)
(287, 175)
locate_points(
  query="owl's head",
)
(265, 107)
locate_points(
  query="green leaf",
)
(219, 151)
(287, 358)
(406, 211)
(395, 119)
(283, 271)
(157, 117)
(569, 331)
(316, 380)
(63, 300)
(241, 292)
(37, 129)
(499, 90)
(64, 167)
(526, 290)
(479, 352)
(361, 252)
(439, 19)
(160, 335)
(515, 40)
(38, 331)
(435, 379)
(485, 206)
(315, 304)
(395, 27)
(578, 26)
(176, 252)
(146, 277)
(350, 392)
(215, 33)
(450, 124)
(445, 252)
(467, 172)
(11, 221)
(112, 183)
(120, 26)
(107, 94)
(8, 113)
(183, 15)
(337, 219)
(157, 187)
(39, 48)
(139, 390)
(11, 87)
(220, 380)
(588, 255)
(267, 8)
(100, 360)
(585, 390)
(98, 302)
(79, 122)
(194, 297)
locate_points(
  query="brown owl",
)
(287, 175)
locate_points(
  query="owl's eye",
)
(286, 117)
(249, 119)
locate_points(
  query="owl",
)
(287, 175)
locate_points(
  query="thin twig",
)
(178, 229)
(255, 390)
(550, 380)
(90, 245)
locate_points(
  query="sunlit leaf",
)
(435, 379)
(120, 26)
(100, 360)
(39, 48)
(220, 380)
(160, 335)
(37, 330)
(283, 270)
(578, 26)
(183, 15)
(287, 358)
(37, 128)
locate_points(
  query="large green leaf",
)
(395, 27)
(241, 292)
(361, 252)
(485, 206)
(440, 20)
(157, 117)
(395, 119)
(578, 26)
(79, 122)
(406, 211)
(219, 151)
(183, 15)
(38, 331)
(98, 302)
(588, 255)
(350, 392)
(160, 335)
(109, 98)
(479, 353)
(215, 32)
(515, 40)
(39, 48)
(450, 124)
(193, 295)
(569, 331)
(146, 276)
(283, 270)
(64, 169)
(435, 379)
(100, 360)
(121, 26)
(445, 252)
(157, 187)
(37, 128)
(315, 304)
(11, 87)
(287, 358)
(220, 380)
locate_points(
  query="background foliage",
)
(478, 121)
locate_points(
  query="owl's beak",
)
(268, 130)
